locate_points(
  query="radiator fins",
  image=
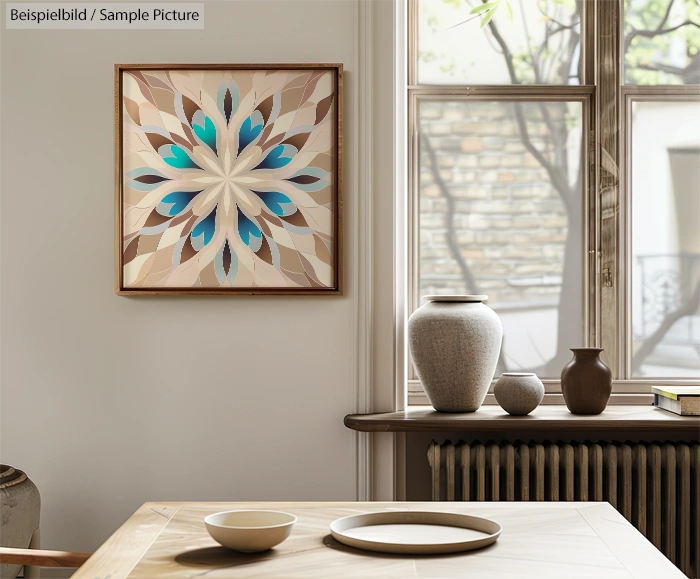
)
(655, 486)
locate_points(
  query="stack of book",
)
(683, 400)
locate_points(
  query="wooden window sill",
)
(618, 419)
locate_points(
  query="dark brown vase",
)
(586, 382)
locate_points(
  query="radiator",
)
(655, 486)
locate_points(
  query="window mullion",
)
(608, 275)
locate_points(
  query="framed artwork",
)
(228, 179)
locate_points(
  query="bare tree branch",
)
(659, 67)
(687, 309)
(556, 175)
(654, 33)
(552, 33)
(666, 15)
(629, 37)
(535, 63)
(553, 19)
(464, 21)
(467, 274)
(508, 55)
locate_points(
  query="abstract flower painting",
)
(229, 179)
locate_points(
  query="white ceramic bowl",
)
(250, 531)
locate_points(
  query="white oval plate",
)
(415, 532)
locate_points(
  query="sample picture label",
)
(116, 16)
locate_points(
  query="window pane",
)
(662, 38)
(501, 214)
(526, 42)
(666, 239)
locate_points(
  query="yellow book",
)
(683, 400)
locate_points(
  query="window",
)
(555, 166)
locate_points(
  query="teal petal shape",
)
(278, 203)
(205, 228)
(246, 229)
(250, 130)
(175, 203)
(177, 157)
(206, 133)
(278, 157)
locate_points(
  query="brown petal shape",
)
(303, 179)
(310, 273)
(264, 252)
(149, 243)
(296, 218)
(289, 260)
(297, 141)
(180, 141)
(190, 134)
(180, 218)
(273, 141)
(322, 108)
(190, 107)
(143, 87)
(151, 179)
(157, 140)
(188, 252)
(321, 250)
(154, 219)
(265, 108)
(228, 105)
(264, 226)
(226, 258)
(156, 82)
(311, 86)
(131, 251)
(299, 278)
(133, 110)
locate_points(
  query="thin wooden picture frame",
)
(335, 287)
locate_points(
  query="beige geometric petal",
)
(324, 272)
(133, 268)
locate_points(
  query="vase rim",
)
(10, 476)
(518, 374)
(457, 298)
(582, 349)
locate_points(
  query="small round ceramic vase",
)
(586, 382)
(454, 343)
(518, 393)
(20, 504)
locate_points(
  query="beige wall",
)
(110, 401)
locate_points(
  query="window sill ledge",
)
(556, 419)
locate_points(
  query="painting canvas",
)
(228, 179)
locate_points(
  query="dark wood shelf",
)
(546, 418)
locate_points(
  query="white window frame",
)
(607, 196)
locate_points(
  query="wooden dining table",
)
(539, 540)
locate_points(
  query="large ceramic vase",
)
(20, 505)
(454, 343)
(586, 382)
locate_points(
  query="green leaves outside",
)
(489, 9)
